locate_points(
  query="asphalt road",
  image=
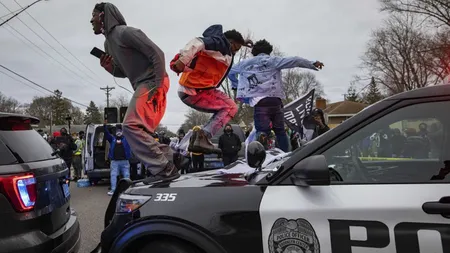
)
(90, 203)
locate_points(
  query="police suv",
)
(345, 191)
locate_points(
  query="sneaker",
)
(202, 144)
(264, 140)
(110, 193)
(168, 174)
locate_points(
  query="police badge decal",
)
(293, 236)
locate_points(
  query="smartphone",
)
(97, 52)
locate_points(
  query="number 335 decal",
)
(165, 197)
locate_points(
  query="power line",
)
(37, 47)
(40, 37)
(40, 86)
(22, 82)
(11, 13)
(51, 35)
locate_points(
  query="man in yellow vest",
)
(77, 160)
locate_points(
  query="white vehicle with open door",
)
(96, 166)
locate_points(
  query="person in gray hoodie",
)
(129, 53)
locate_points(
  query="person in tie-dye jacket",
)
(204, 63)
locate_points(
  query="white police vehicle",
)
(332, 195)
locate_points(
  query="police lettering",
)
(405, 234)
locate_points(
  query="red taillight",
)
(21, 191)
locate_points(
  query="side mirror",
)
(312, 170)
(256, 154)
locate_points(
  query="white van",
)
(95, 154)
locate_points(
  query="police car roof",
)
(430, 91)
(33, 120)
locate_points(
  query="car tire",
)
(168, 246)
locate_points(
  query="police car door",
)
(383, 204)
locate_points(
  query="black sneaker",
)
(168, 174)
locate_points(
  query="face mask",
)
(228, 130)
(119, 134)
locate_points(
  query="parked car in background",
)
(35, 213)
(213, 161)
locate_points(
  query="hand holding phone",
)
(97, 52)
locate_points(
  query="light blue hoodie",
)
(260, 76)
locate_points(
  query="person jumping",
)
(204, 63)
(260, 85)
(131, 54)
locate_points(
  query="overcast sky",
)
(334, 32)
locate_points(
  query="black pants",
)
(185, 164)
(229, 158)
(198, 162)
(69, 164)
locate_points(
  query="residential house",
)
(337, 112)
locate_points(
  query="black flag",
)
(295, 111)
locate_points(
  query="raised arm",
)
(107, 134)
(293, 62)
(233, 75)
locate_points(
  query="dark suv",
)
(35, 213)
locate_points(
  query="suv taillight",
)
(21, 191)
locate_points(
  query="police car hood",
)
(235, 174)
(201, 179)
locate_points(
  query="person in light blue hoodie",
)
(258, 83)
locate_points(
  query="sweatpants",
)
(146, 109)
(212, 101)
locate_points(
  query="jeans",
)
(146, 109)
(212, 101)
(270, 110)
(119, 167)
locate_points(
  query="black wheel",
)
(168, 246)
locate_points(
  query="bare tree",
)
(395, 56)
(296, 83)
(195, 118)
(438, 11)
(440, 50)
(121, 100)
(9, 104)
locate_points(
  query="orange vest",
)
(207, 73)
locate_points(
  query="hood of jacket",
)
(213, 36)
(112, 18)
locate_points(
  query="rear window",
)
(19, 143)
(6, 157)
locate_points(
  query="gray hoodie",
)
(135, 55)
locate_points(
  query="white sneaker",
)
(110, 193)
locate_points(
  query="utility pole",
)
(22, 10)
(107, 89)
